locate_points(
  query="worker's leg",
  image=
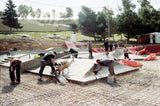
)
(111, 68)
(43, 64)
(127, 55)
(91, 55)
(18, 73)
(11, 72)
(52, 67)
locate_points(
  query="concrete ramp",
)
(118, 54)
(81, 70)
(118, 68)
(22, 57)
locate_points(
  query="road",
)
(139, 88)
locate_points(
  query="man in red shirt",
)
(15, 64)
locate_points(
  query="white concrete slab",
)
(22, 57)
(132, 57)
(81, 70)
(118, 53)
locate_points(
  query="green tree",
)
(128, 20)
(74, 26)
(69, 13)
(62, 15)
(10, 16)
(101, 24)
(48, 15)
(87, 21)
(111, 28)
(38, 13)
(23, 11)
(1, 13)
(149, 16)
(53, 13)
(31, 11)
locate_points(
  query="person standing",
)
(15, 64)
(90, 49)
(111, 46)
(126, 52)
(106, 46)
(115, 45)
(47, 60)
(109, 63)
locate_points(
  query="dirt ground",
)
(35, 44)
(138, 88)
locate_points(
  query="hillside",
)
(34, 25)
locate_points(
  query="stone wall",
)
(34, 63)
(30, 64)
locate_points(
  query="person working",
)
(49, 61)
(73, 52)
(109, 63)
(15, 64)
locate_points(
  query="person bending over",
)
(109, 63)
(47, 60)
(15, 64)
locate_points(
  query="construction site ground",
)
(138, 88)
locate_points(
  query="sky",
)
(60, 5)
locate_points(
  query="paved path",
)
(140, 88)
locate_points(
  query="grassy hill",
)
(34, 26)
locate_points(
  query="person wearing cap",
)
(109, 63)
(47, 60)
(15, 64)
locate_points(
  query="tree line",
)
(96, 24)
(128, 22)
(25, 11)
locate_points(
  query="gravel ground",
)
(139, 88)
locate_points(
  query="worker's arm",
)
(52, 60)
(99, 69)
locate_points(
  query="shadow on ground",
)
(8, 89)
(47, 81)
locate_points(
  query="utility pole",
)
(108, 25)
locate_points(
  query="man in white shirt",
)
(126, 52)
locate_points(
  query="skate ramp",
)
(118, 54)
(118, 68)
(81, 70)
(132, 57)
(5, 60)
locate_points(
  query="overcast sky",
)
(60, 5)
